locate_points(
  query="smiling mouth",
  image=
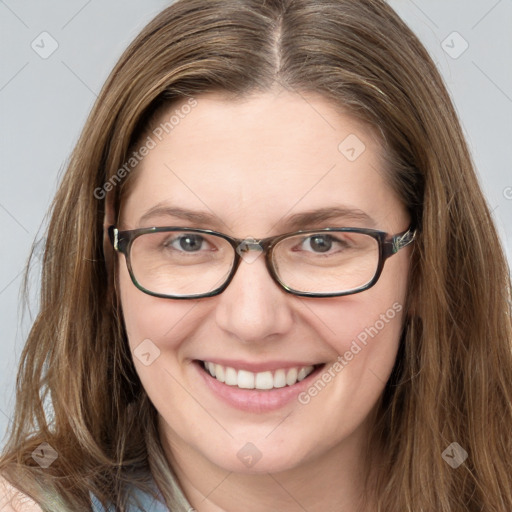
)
(263, 381)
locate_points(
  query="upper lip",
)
(239, 364)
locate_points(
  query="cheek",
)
(366, 341)
(364, 334)
(374, 345)
(368, 321)
(370, 350)
(156, 329)
(163, 321)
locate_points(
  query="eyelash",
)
(329, 237)
(169, 242)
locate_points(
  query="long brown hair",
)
(77, 389)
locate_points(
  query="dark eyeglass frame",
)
(388, 245)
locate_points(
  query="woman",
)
(271, 281)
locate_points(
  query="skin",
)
(253, 163)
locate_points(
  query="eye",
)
(189, 242)
(320, 243)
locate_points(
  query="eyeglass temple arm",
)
(118, 244)
(399, 241)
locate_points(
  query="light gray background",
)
(44, 103)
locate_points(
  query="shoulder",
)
(13, 500)
(138, 501)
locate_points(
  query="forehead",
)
(255, 160)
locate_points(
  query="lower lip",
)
(255, 400)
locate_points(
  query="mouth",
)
(270, 387)
(261, 381)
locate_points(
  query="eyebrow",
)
(297, 221)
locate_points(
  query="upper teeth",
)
(262, 380)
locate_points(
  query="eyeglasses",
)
(186, 263)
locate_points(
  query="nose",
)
(253, 307)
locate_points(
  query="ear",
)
(108, 220)
(412, 308)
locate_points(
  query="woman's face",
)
(250, 168)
